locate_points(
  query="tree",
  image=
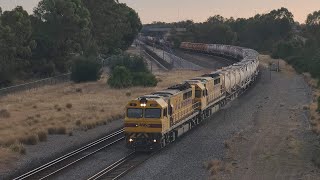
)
(115, 25)
(282, 14)
(85, 69)
(134, 24)
(63, 29)
(6, 57)
(19, 23)
(217, 19)
(16, 43)
(313, 19)
(215, 34)
(313, 27)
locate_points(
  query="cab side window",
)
(217, 81)
(165, 112)
(187, 95)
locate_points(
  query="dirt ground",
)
(280, 143)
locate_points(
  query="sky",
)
(198, 10)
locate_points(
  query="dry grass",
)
(31, 139)
(42, 135)
(316, 157)
(11, 158)
(265, 60)
(287, 69)
(18, 148)
(313, 107)
(31, 116)
(217, 166)
(57, 130)
(4, 113)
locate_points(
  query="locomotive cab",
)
(145, 119)
(201, 93)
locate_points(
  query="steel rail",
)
(124, 165)
(112, 167)
(73, 162)
(72, 154)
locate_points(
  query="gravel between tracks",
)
(269, 98)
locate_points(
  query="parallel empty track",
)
(122, 166)
(53, 167)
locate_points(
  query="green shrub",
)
(314, 65)
(128, 70)
(145, 79)
(283, 49)
(131, 62)
(6, 76)
(120, 78)
(85, 69)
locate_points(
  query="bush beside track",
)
(127, 71)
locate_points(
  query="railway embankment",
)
(279, 143)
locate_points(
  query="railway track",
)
(122, 166)
(66, 161)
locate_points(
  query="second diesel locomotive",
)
(152, 121)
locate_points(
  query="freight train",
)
(152, 121)
(155, 42)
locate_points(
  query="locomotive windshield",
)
(134, 113)
(152, 113)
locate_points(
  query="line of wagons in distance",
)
(155, 120)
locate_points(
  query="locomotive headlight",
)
(130, 140)
(143, 105)
(154, 140)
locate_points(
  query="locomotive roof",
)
(161, 101)
(212, 75)
(206, 78)
(168, 92)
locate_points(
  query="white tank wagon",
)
(240, 74)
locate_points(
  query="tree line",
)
(45, 43)
(275, 33)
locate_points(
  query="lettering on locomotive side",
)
(143, 125)
(186, 102)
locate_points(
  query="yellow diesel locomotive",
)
(154, 120)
